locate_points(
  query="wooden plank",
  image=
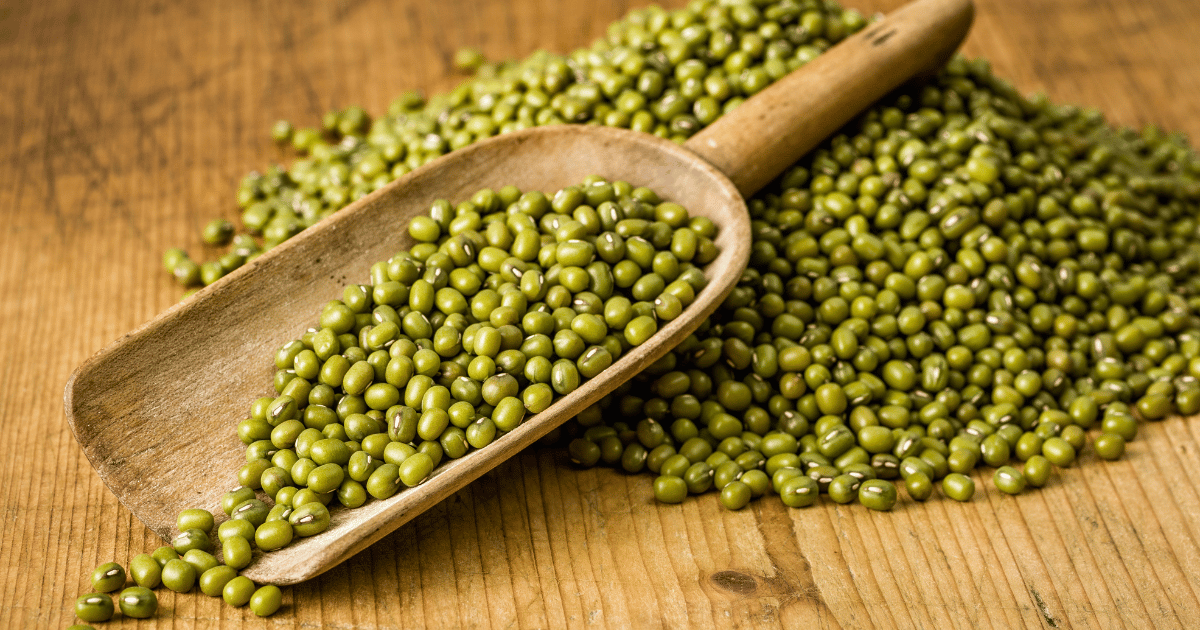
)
(125, 126)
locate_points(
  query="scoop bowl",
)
(156, 411)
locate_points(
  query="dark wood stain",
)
(734, 582)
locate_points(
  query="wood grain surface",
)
(124, 127)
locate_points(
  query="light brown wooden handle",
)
(754, 143)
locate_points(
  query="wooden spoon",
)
(156, 411)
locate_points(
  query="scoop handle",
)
(770, 131)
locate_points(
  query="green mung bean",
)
(138, 602)
(108, 577)
(145, 571)
(94, 607)
(238, 591)
(178, 575)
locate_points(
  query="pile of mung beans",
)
(508, 301)
(961, 278)
(669, 73)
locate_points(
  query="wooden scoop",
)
(156, 411)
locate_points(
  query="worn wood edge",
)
(289, 565)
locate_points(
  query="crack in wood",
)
(1043, 609)
(881, 38)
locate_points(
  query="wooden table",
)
(124, 127)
